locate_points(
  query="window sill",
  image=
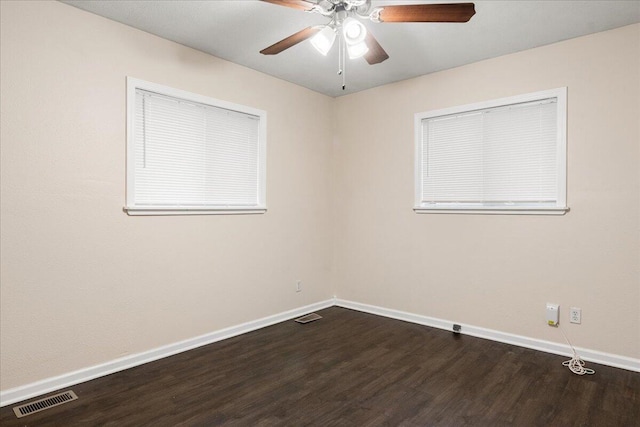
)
(137, 211)
(493, 211)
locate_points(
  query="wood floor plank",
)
(351, 369)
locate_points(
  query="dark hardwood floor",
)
(351, 369)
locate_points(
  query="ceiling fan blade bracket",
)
(322, 10)
(374, 16)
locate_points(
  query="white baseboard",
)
(594, 356)
(48, 385)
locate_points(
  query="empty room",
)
(319, 213)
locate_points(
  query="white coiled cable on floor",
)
(575, 364)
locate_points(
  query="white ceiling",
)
(237, 30)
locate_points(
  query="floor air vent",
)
(46, 403)
(308, 318)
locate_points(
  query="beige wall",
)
(490, 271)
(82, 282)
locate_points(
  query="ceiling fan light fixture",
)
(357, 50)
(354, 31)
(323, 40)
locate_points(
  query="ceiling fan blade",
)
(455, 12)
(296, 4)
(292, 40)
(376, 53)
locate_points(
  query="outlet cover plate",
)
(575, 315)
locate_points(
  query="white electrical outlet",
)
(575, 315)
(552, 314)
(299, 286)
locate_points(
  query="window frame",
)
(561, 146)
(130, 207)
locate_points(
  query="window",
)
(190, 154)
(501, 156)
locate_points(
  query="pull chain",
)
(339, 57)
(342, 63)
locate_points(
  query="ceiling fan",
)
(345, 24)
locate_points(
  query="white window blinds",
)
(500, 157)
(194, 156)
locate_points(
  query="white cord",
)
(575, 364)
